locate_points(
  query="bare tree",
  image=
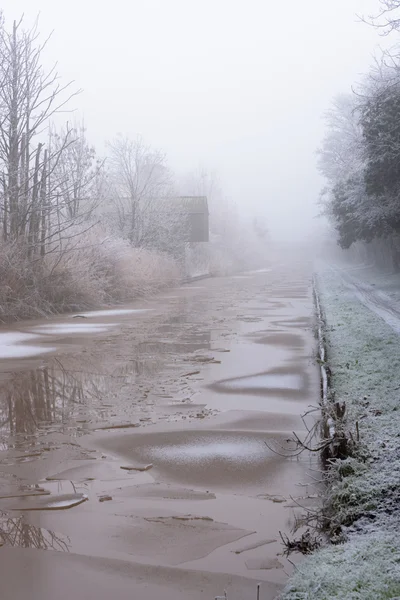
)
(29, 97)
(51, 185)
(78, 175)
(388, 18)
(142, 195)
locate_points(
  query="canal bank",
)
(360, 512)
(170, 417)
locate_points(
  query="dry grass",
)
(88, 271)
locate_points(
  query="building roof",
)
(192, 204)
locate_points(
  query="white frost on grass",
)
(12, 345)
(364, 355)
(365, 568)
(386, 281)
(380, 303)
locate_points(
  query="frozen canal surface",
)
(140, 445)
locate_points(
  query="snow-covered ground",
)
(364, 355)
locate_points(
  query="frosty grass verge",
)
(364, 356)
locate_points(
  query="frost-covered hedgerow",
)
(90, 269)
(364, 493)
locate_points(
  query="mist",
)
(237, 88)
(199, 299)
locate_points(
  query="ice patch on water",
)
(259, 271)
(23, 351)
(211, 450)
(11, 345)
(115, 312)
(10, 338)
(60, 502)
(67, 328)
(267, 381)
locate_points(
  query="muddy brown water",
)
(144, 451)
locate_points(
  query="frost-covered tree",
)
(54, 253)
(29, 97)
(381, 135)
(341, 160)
(78, 176)
(341, 153)
(142, 196)
(360, 158)
(388, 17)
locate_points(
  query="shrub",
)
(91, 269)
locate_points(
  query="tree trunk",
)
(34, 216)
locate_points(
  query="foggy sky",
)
(239, 86)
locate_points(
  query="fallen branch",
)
(306, 544)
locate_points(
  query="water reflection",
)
(42, 396)
(107, 382)
(17, 531)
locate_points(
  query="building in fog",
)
(196, 252)
(196, 209)
(178, 225)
